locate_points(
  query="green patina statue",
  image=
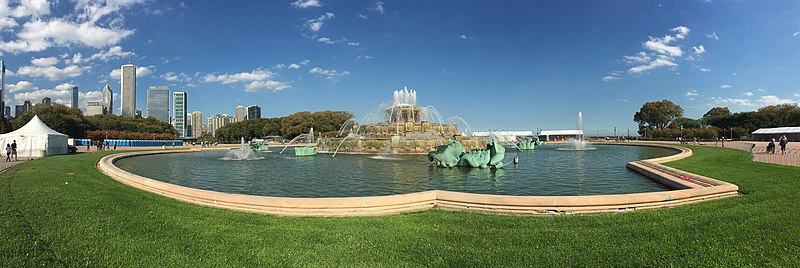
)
(452, 155)
(527, 143)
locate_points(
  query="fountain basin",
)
(698, 188)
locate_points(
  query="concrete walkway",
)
(790, 158)
(4, 165)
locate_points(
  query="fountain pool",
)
(544, 171)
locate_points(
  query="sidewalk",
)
(791, 158)
(4, 165)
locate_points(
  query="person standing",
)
(783, 142)
(8, 152)
(14, 150)
(723, 141)
(115, 146)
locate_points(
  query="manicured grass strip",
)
(61, 211)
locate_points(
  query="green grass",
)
(61, 211)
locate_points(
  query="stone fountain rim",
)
(694, 189)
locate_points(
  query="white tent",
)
(35, 139)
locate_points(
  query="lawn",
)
(61, 211)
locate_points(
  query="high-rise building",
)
(94, 108)
(179, 100)
(127, 84)
(158, 103)
(3, 87)
(75, 97)
(46, 101)
(7, 112)
(239, 113)
(253, 112)
(197, 124)
(21, 109)
(108, 100)
(217, 121)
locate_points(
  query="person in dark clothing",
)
(14, 150)
(771, 146)
(783, 142)
(8, 152)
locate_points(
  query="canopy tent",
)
(35, 139)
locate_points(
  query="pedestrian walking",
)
(14, 150)
(723, 141)
(783, 142)
(8, 152)
(771, 146)
(115, 146)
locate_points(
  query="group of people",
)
(206, 144)
(783, 141)
(101, 146)
(11, 151)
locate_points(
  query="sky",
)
(499, 65)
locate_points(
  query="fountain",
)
(452, 155)
(578, 144)
(244, 152)
(303, 150)
(398, 127)
(527, 143)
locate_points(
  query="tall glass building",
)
(179, 113)
(158, 103)
(108, 100)
(75, 97)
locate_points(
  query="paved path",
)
(4, 165)
(790, 158)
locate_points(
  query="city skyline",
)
(534, 58)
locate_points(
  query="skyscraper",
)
(21, 109)
(179, 113)
(158, 103)
(253, 112)
(94, 108)
(128, 88)
(217, 121)
(108, 100)
(46, 101)
(75, 97)
(239, 113)
(3, 87)
(197, 124)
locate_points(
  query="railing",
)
(790, 157)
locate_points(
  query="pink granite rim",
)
(694, 189)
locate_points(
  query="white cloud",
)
(773, 100)
(304, 62)
(44, 62)
(699, 49)
(267, 84)
(255, 75)
(362, 16)
(465, 37)
(92, 10)
(33, 8)
(329, 41)
(315, 24)
(364, 57)
(691, 93)
(662, 48)
(76, 59)
(379, 7)
(329, 74)
(637, 58)
(38, 35)
(796, 34)
(176, 77)
(140, 71)
(21, 86)
(796, 94)
(52, 73)
(115, 52)
(725, 86)
(65, 86)
(353, 43)
(713, 36)
(662, 61)
(293, 66)
(613, 76)
(60, 96)
(748, 93)
(705, 70)
(761, 90)
(306, 3)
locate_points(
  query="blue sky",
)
(514, 65)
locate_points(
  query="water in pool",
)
(544, 171)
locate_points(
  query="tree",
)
(658, 114)
(717, 116)
(5, 125)
(684, 122)
(69, 121)
(130, 124)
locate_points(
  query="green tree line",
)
(287, 126)
(664, 120)
(72, 122)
